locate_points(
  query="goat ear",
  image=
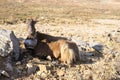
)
(35, 21)
(31, 21)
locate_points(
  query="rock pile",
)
(9, 44)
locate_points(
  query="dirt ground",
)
(81, 21)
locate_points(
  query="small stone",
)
(43, 68)
(31, 68)
(19, 71)
(39, 73)
(55, 62)
(18, 63)
(49, 72)
(63, 68)
(36, 60)
(12, 78)
(60, 72)
(43, 75)
(77, 66)
(4, 73)
(96, 46)
(9, 67)
(16, 46)
(49, 58)
(89, 54)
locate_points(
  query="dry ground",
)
(82, 20)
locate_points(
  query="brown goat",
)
(56, 47)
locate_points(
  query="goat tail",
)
(68, 55)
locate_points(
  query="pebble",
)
(31, 68)
(60, 72)
(3, 72)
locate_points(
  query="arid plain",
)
(82, 21)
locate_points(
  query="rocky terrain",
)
(95, 28)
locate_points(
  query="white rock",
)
(5, 43)
(3, 72)
(43, 75)
(49, 58)
(18, 63)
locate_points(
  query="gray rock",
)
(86, 46)
(97, 46)
(19, 71)
(89, 54)
(16, 44)
(8, 44)
(43, 75)
(5, 43)
(55, 62)
(31, 68)
(9, 67)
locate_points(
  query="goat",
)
(57, 47)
